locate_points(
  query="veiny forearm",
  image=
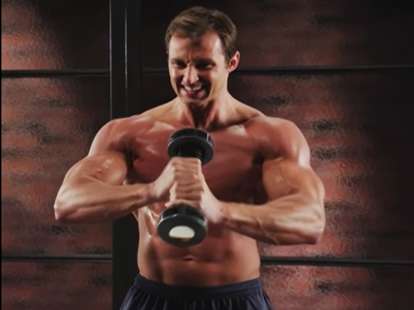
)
(292, 219)
(91, 200)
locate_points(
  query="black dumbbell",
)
(182, 225)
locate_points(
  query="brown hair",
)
(196, 21)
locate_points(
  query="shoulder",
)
(272, 126)
(116, 134)
(118, 127)
(138, 123)
(277, 126)
(280, 138)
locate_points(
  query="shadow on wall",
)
(55, 34)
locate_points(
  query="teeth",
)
(192, 89)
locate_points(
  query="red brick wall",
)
(357, 122)
(47, 125)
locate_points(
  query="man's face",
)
(198, 69)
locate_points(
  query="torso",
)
(234, 174)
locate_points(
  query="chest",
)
(236, 163)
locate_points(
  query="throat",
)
(212, 116)
(203, 116)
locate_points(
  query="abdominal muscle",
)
(223, 257)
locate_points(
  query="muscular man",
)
(258, 187)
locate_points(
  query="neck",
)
(213, 114)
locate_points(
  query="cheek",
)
(208, 77)
(217, 79)
(175, 77)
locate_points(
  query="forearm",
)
(292, 219)
(93, 200)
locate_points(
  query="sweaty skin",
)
(258, 186)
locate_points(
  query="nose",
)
(190, 76)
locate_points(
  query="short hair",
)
(196, 21)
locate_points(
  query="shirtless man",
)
(258, 186)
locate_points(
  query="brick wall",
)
(341, 70)
(49, 117)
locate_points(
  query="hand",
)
(191, 188)
(178, 170)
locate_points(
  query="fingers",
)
(185, 164)
(189, 192)
(187, 189)
(186, 171)
(179, 170)
(188, 181)
(194, 204)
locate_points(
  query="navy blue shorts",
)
(145, 294)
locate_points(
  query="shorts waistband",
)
(246, 288)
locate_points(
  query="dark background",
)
(341, 70)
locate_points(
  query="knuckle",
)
(175, 161)
(196, 162)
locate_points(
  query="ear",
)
(234, 62)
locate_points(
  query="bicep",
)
(109, 167)
(104, 162)
(282, 177)
(289, 171)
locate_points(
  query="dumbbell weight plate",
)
(185, 141)
(182, 226)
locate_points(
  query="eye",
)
(178, 64)
(204, 65)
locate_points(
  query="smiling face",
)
(198, 68)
